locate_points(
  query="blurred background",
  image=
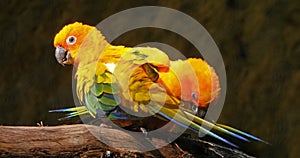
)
(259, 42)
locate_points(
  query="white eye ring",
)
(71, 40)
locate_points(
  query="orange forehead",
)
(76, 29)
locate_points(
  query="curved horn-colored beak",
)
(63, 56)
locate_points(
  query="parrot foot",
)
(144, 131)
(103, 125)
(147, 135)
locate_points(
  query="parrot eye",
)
(71, 40)
(194, 96)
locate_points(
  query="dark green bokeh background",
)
(259, 42)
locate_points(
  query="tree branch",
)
(77, 140)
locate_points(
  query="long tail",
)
(116, 114)
(197, 124)
(241, 133)
(72, 112)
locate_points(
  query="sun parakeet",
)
(121, 83)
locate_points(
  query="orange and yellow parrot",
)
(118, 82)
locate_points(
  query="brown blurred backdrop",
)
(259, 42)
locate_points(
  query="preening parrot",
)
(122, 83)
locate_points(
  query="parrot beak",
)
(63, 56)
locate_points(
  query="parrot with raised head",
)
(121, 83)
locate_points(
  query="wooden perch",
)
(77, 141)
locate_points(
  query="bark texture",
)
(77, 141)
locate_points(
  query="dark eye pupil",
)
(71, 39)
(194, 96)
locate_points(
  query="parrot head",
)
(68, 41)
(207, 81)
(195, 81)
